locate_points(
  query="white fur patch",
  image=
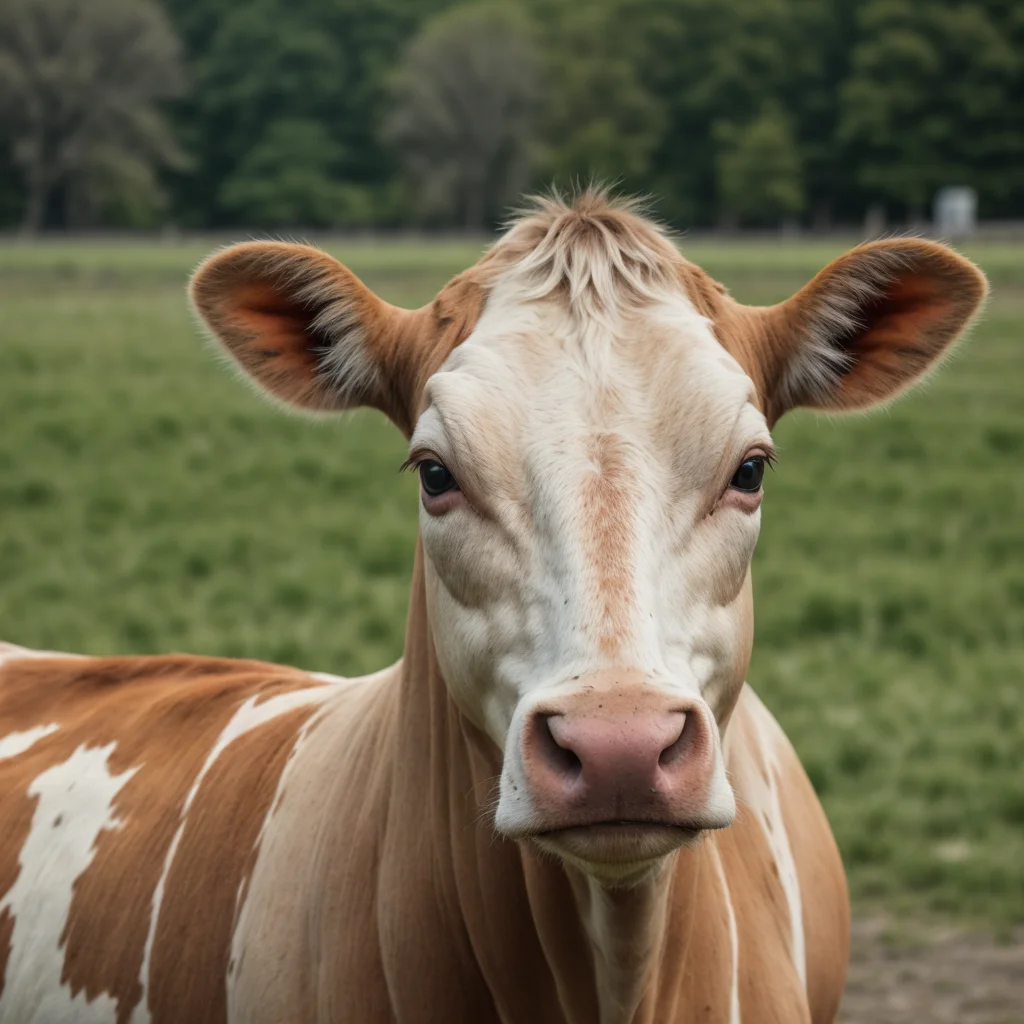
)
(16, 743)
(605, 254)
(734, 944)
(778, 840)
(816, 368)
(345, 368)
(242, 907)
(12, 652)
(75, 805)
(769, 815)
(251, 715)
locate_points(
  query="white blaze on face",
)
(74, 806)
(592, 453)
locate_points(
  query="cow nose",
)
(631, 764)
(630, 750)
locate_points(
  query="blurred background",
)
(387, 114)
(149, 502)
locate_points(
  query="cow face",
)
(589, 419)
(590, 494)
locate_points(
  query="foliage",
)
(464, 99)
(289, 179)
(599, 120)
(264, 81)
(856, 103)
(927, 100)
(152, 503)
(78, 88)
(759, 175)
(326, 62)
(713, 64)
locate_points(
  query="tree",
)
(465, 97)
(80, 84)
(928, 101)
(715, 61)
(598, 122)
(258, 63)
(266, 77)
(306, 111)
(759, 177)
(289, 179)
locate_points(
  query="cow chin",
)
(620, 850)
(618, 853)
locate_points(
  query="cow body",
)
(563, 804)
(199, 839)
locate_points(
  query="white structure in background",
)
(874, 222)
(956, 211)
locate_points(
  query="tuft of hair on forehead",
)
(595, 251)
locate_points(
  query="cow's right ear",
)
(307, 330)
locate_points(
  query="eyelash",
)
(416, 459)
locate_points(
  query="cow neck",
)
(542, 941)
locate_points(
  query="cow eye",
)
(749, 476)
(436, 479)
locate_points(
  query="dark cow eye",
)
(749, 476)
(436, 479)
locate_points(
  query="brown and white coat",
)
(563, 804)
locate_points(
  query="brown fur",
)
(378, 891)
(278, 307)
(462, 920)
(826, 927)
(439, 919)
(164, 714)
(890, 309)
(194, 932)
(609, 503)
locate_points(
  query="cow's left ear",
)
(866, 327)
(306, 330)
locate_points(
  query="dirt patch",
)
(932, 976)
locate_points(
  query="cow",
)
(564, 804)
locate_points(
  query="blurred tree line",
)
(357, 113)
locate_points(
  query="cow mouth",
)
(619, 842)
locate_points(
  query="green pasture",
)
(150, 502)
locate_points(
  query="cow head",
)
(590, 418)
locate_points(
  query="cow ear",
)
(867, 326)
(306, 329)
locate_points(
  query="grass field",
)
(149, 502)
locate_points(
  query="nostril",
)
(677, 749)
(561, 759)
